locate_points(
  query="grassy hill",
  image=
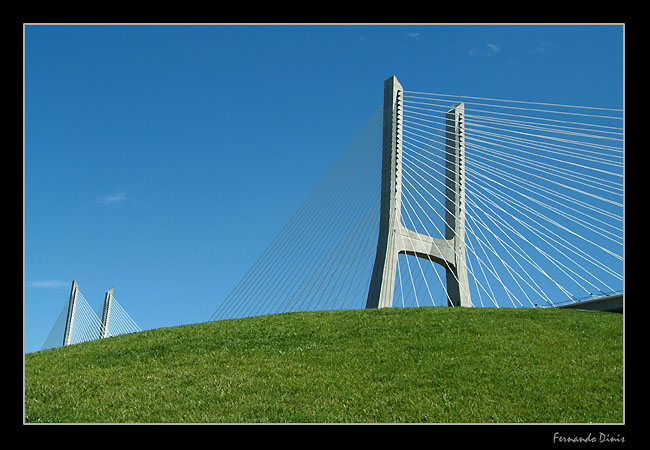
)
(443, 365)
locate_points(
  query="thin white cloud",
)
(544, 47)
(487, 50)
(112, 198)
(412, 34)
(49, 284)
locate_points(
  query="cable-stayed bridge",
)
(445, 200)
(78, 322)
(441, 200)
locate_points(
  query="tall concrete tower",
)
(394, 238)
(72, 309)
(106, 313)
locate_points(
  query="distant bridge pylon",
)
(79, 323)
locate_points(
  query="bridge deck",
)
(611, 303)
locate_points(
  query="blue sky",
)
(162, 160)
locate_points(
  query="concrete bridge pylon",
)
(394, 237)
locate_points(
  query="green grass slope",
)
(441, 365)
